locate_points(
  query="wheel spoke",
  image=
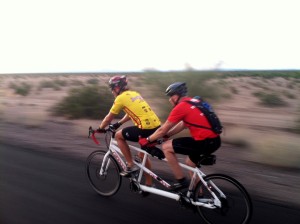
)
(235, 204)
(107, 182)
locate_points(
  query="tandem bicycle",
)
(218, 198)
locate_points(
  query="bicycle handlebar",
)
(92, 133)
(151, 149)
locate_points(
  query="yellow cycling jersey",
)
(133, 104)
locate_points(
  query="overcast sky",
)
(134, 35)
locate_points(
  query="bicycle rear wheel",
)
(236, 206)
(108, 183)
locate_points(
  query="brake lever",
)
(91, 131)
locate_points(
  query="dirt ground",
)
(26, 121)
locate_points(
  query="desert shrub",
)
(12, 85)
(226, 96)
(76, 82)
(46, 84)
(234, 90)
(21, 89)
(238, 142)
(55, 84)
(279, 151)
(237, 137)
(263, 74)
(270, 99)
(289, 94)
(93, 81)
(196, 82)
(86, 102)
(291, 85)
(60, 82)
(259, 84)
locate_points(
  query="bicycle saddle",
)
(207, 160)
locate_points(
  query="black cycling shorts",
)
(132, 133)
(192, 148)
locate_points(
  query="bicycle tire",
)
(235, 208)
(107, 184)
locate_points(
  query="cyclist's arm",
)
(176, 129)
(160, 132)
(124, 119)
(107, 120)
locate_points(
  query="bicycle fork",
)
(104, 165)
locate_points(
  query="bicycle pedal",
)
(134, 186)
(137, 159)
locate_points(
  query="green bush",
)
(46, 84)
(233, 90)
(75, 82)
(93, 81)
(288, 94)
(270, 99)
(60, 82)
(21, 89)
(86, 102)
(195, 80)
(55, 84)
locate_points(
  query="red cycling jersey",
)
(184, 111)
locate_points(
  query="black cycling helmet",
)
(177, 88)
(118, 81)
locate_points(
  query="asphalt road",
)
(40, 187)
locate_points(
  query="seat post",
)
(143, 164)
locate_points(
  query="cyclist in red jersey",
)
(202, 141)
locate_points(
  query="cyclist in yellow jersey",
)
(136, 109)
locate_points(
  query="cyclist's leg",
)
(145, 133)
(148, 178)
(132, 134)
(190, 163)
(124, 148)
(185, 146)
(207, 147)
(172, 159)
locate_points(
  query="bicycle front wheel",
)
(236, 205)
(107, 181)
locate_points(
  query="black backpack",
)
(210, 115)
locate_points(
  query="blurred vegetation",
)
(196, 81)
(211, 85)
(91, 99)
(86, 102)
(288, 94)
(22, 89)
(54, 84)
(75, 82)
(279, 151)
(198, 85)
(93, 81)
(264, 74)
(270, 99)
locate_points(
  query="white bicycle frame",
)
(115, 151)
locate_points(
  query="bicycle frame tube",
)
(102, 169)
(201, 175)
(115, 151)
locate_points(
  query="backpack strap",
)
(196, 125)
